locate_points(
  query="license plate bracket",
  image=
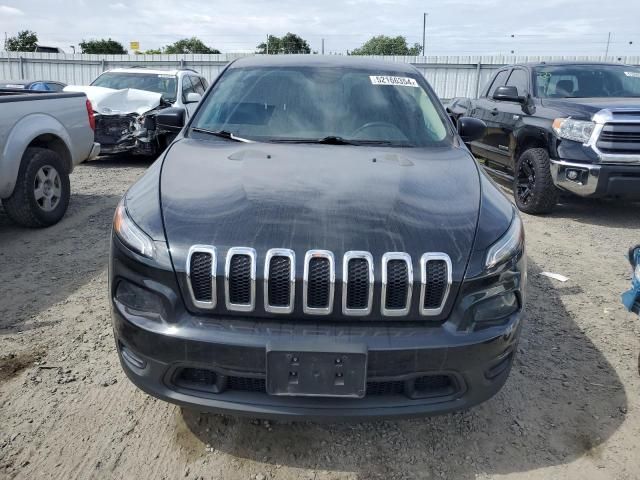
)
(313, 371)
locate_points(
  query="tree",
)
(290, 43)
(383, 45)
(102, 46)
(189, 45)
(151, 51)
(25, 41)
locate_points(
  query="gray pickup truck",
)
(42, 137)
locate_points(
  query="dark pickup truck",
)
(560, 127)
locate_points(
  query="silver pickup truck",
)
(42, 137)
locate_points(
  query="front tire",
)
(41, 195)
(533, 188)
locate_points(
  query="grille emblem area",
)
(319, 282)
(240, 279)
(279, 280)
(201, 276)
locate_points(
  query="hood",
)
(107, 101)
(585, 108)
(305, 197)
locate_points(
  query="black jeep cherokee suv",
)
(317, 242)
(560, 127)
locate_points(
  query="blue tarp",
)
(631, 298)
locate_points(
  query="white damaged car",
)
(125, 101)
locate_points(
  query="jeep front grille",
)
(359, 288)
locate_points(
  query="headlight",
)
(576, 130)
(509, 245)
(130, 234)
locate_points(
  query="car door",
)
(486, 109)
(187, 88)
(510, 116)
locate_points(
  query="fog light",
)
(140, 301)
(572, 174)
(496, 308)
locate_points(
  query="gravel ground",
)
(569, 410)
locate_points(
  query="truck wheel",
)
(42, 190)
(533, 187)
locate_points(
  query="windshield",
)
(313, 103)
(159, 83)
(587, 81)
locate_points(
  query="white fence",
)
(450, 76)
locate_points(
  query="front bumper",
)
(597, 180)
(153, 354)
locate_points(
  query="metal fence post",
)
(102, 65)
(478, 68)
(21, 63)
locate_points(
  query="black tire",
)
(533, 187)
(22, 206)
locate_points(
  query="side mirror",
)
(171, 119)
(471, 129)
(508, 93)
(634, 255)
(193, 97)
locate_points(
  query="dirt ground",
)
(571, 408)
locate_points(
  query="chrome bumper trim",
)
(585, 185)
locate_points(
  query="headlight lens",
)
(509, 245)
(130, 234)
(576, 130)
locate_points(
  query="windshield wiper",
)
(222, 134)
(329, 140)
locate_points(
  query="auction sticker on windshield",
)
(397, 81)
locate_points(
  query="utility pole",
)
(267, 44)
(606, 52)
(322, 49)
(424, 33)
(6, 39)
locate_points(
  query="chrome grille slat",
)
(279, 280)
(240, 279)
(357, 277)
(397, 282)
(431, 287)
(319, 274)
(201, 289)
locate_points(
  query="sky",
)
(454, 27)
